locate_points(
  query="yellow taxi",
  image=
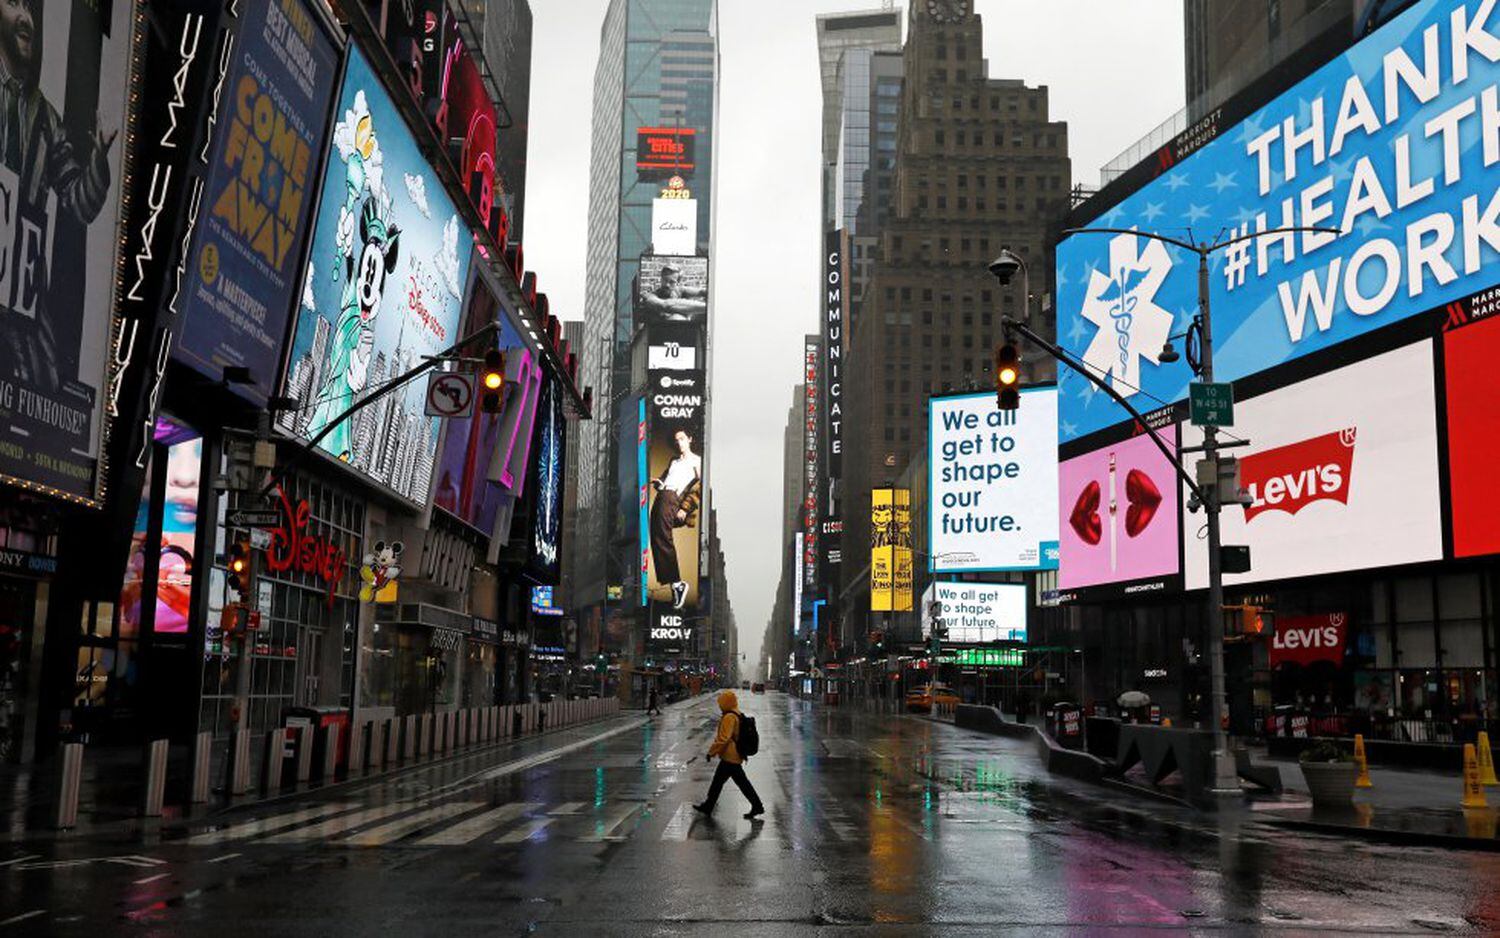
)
(923, 699)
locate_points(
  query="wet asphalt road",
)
(876, 824)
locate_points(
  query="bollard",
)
(155, 792)
(68, 785)
(541, 718)
(450, 731)
(377, 745)
(202, 750)
(239, 762)
(1486, 761)
(304, 753)
(356, 761)
(330, 765)
(1362, 780)
(517, 722)
(1473, 788)
(409, 738)
(271, 768)
(429, 730)
(392, 741)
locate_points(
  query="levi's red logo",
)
(1289, 478)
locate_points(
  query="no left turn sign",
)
(450, 395)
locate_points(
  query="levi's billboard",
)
(1341, 473)
(1305, 639)
(1394, 143)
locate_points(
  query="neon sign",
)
(292, 548)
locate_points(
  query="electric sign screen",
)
(1394, 144)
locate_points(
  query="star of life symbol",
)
(1122, 303)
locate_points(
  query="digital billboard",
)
(1471, 347)
(992, 491)
(547, 483)
(60, 215)
(1392, 143)
(383, 288)
(470, 444)
(674, 226)
(672, 289)
(673, 491)
(811, 480)
(1118, 518)
(258, 195)
(890, 550)
(835, 310)
(1341, 473)
(665, 149)
(976, 613)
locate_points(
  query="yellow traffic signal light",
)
(1007, 377)
(492, 382)
(239, 568)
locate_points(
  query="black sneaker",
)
(703, 809)
(755, 812)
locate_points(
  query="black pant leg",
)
(737, 772)
(722, 773)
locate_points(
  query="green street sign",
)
(1211, 405)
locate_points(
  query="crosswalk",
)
(422, 822)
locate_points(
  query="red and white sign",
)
(1291, 477)
(1305, 639)
(1342, 471)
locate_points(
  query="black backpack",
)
(747, 738)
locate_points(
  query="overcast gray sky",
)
(1115, 71)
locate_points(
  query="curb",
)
(1384, 835)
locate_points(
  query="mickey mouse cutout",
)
(379, 572)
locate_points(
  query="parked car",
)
(922, 699)
(757, 688)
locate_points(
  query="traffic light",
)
(492, 382)
(1243, 623)
(239, 568)
(1007, 377)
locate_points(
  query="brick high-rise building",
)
(980, 166)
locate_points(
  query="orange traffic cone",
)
(1473, 788)
(1363, 779)
(1486, 762)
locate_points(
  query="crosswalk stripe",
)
(473, 828)
(568, 807)
(273, 823)
(395, 830)
(605, 828)
(339, 825)
(530, 830)
(680, 825)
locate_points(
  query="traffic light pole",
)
(1226, 776)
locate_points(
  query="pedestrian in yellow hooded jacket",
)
(731, 763)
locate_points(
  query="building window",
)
(979, 202)
(906, 294)
(963, 180)
(943, 245)
(963, 203)
(939, 137)
(927, 295)
(942, 201)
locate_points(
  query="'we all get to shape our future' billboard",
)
(992, 491)
(1393, 143)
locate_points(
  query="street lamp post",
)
(1226, 776)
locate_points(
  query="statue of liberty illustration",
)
(365, 255)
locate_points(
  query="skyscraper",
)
(979, 166)
(656, 80)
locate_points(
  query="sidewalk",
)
(113, 778)
(1405, 806)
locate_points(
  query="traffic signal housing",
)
(1007, 377)
(492, 382)
(1244, 623)
(238, 564)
